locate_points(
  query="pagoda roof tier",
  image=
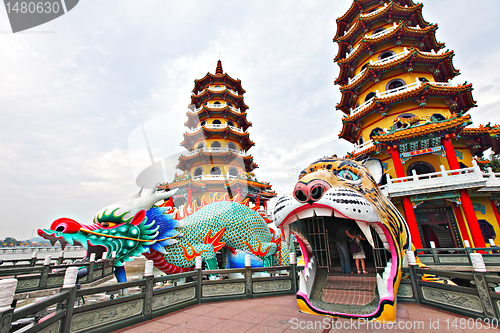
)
(225, 79)
(205, 112)
(201, 182)
(207, 94)
(442, 62)
(206, 131)
(389, 13)
(356, 9)
(424, 37)
(458, 96)
(205, 154)
(364, 152)
(451, 124)
(483, 137)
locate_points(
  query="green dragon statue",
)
(135, 227)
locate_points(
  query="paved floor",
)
(280, 314)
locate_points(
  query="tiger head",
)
(343, 191)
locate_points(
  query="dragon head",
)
(129, 228)
(334, 191)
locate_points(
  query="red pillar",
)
(407, 205)
(461, 223)
(470, 214)
(189, 198)
(265, 204)
(257, 201)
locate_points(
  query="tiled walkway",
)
(280, 314)
(350, 289)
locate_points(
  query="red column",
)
(461, 223)
(257, 202)
(470, 214)
(189, 198)
(407, 205)
(495, 211)
(265, 204)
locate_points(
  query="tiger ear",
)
(375, 169)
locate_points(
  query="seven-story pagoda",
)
(401, 107)
(218, 142)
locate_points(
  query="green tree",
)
(495, 163)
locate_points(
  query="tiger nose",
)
(310, 192)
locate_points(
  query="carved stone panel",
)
(491, 260)
(27, 284)
(174, 297)
(97, 273)
(454, 260)
(405, 291)
(93, 318)
(268, 286)
(55, 280)
(52, 328)
(83, 279)
(108, 270)
(223, 289)
(427, 260)
(452, 298)
(484, 295)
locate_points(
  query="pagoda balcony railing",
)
(215, 177)
(215, 106)
(391, 58)
(444, 180)
(239, 130)
(217, 150)
(378, 34)
(395, 91)
(363, 146)
(218, 89)
(374, 12)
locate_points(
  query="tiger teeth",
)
(365, 229)
(305, 214)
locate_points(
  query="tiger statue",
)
(344, 191)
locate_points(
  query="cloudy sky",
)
(75, 91)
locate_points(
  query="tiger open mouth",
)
(337, 203)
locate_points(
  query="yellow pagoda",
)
(218, 162)
(400, 106)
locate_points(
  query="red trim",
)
(495, 210)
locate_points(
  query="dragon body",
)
(136, 226)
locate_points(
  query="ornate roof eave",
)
(210, 78)
(413, 58)
(213, 94)
(183, 183)
(426, 90)
(482, 137)
(450, 124)
(402, 31)
(360, 155)
(391, 12)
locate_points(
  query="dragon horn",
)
(140, 191)
(154, 188)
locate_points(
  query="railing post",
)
(33, 259)
(69, 285)
(412, 266)
(468, 250)
(148, 292)
(61, 258)
(7, 290)
(293, 271)
(45, 272)
(444, 174)
(435, 256)
(482, 285)
(90, 275)
(248, 276)
(198, 267)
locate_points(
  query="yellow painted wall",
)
(489, 216)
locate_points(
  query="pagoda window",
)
(421, 168)
(386, 54)
(423, 79)
(215, 144)
(203, 123)
(215, 171)
(231, 105)
(394, 84)
(233, 171)
(217, 103)
(377, 31)
(375, 131)
(216, 122)
(217, 86)
(363, 67)
(198, 172)
(200, 145)
(370, 96)
(230, 123)
(231, 145)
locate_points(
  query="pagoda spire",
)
(218, 70)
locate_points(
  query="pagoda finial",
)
(218, 70)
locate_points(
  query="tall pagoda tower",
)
(401, 107)
(218, 161)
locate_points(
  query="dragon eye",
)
(108, 224)
(348, 175)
